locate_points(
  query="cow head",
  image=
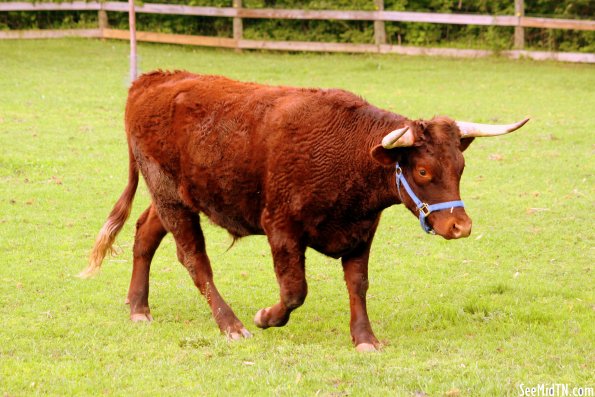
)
(429, 156)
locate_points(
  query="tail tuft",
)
(103, 245)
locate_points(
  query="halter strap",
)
(423, 208)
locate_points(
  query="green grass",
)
(512, 304)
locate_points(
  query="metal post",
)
(519, 31)
(132, 25)
(379, 30)
(238, 25)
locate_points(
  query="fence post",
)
(519, 31)
(132, 26)
(238, 26)
(379, 30)
(102, 20)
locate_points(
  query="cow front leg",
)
(355, 269)
(149, 233)
(185, 227)
(289, 260)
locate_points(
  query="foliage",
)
(350, 31)
(16, 20)
(513, 304)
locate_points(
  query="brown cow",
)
(305, 167)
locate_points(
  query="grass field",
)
(513, 304)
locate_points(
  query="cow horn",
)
(473, 130)
(398, 138)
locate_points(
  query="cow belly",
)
(236, 210)
(337, 239)
(237, 226)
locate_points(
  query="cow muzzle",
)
(451, 226)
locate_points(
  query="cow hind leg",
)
(289, 261)
(185, 227)
(149, 233)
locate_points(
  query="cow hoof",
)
(244, 333)
(366, 348)
(141, 318)
(258, 321)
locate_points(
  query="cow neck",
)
(424, 209)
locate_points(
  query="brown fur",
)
(302, 166)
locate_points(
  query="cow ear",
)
(386, 157)
(465, 142)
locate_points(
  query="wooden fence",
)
(237, 12)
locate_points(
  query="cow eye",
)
(423, 172)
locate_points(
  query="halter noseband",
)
(423, 208)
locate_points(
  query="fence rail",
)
(273, 13)
(519, 22)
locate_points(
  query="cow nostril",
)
(456, 229)
(462, 229)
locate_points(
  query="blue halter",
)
(423, 208)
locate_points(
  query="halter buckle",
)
(424, 209)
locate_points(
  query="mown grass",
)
(512, 304)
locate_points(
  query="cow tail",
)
(114, 223)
